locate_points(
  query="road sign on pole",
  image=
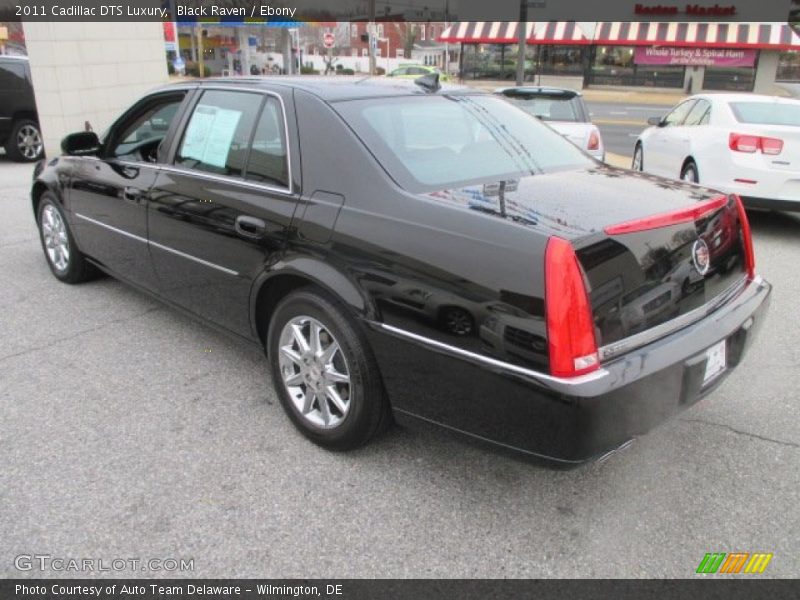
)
(328, 40)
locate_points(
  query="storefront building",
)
(689, 56)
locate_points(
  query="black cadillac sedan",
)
(402, 250)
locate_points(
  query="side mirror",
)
(82, 143)
(656, 121)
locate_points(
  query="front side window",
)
(434, 142)
(678, 114)
(699, 113)
(139, 137)
(217, 137)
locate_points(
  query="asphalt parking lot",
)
(129, 430)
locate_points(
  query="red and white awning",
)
(769, 36)
(506, 32)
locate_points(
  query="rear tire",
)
(25, 142)
(66, 261)
(324, 372)
(689, 172)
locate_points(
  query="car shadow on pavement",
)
(762, 221)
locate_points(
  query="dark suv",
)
(19, 123)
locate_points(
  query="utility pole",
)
(288, 62)
(201, 65)
(371, 36)
(521, 30)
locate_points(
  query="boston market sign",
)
(691, 10)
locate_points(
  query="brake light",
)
(570, 329)
(740, 142)
(671, 218)
(747, 239)
(771, 146)
(594, 141)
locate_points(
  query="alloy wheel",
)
(29, 142)
(315, 372)
(458, 321)
(56, 241)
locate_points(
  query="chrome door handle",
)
(132, 194)
(250, 226)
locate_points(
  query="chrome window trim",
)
(160, 246)
(492, 362)
(632, 342)
(223, 179)
(239, 180)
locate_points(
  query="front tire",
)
(324, 371)
(66, 261)
(25, 142)
(638, 159)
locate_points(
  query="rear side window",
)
(217, 138)
(12, 73)
(268, 162)
(766, 113)
(433, 142)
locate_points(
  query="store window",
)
(615, 65)
(788, 67)
(731, 79)
(493, 61)
(559, 60)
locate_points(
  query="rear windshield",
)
(548, 108)
(767, 113)
(434, 142)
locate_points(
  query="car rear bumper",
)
(566, 420)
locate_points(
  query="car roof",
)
(745, 97)
(539, 89)
(334, 88)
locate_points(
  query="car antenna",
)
(429, 82)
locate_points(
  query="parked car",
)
(564, 110)
(19, 123)
(284, 210)
(745, 144)
(412, 71)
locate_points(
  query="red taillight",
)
(594, 141)
(671, 218)
(747, 239)
(570, 329)
(771, 146)
(741, 142)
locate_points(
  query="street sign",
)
(328, 40)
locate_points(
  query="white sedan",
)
(561, 108)
(747, 144)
